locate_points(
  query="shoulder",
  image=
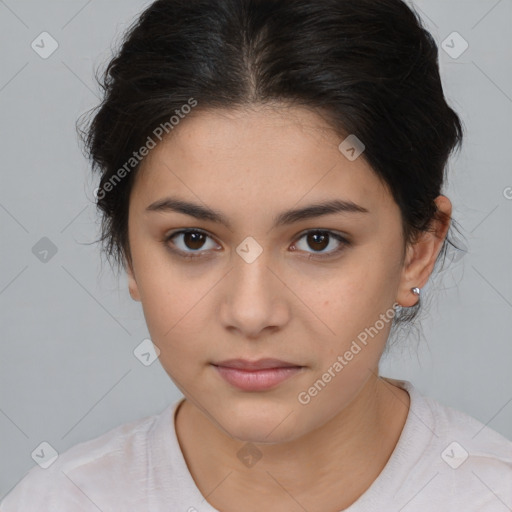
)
(482, 443)
(110, 461)
(467, 462)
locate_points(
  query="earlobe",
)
(134, 292)
(132, 283)
(416, 271)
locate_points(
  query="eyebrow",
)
(173, 204)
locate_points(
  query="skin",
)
(250, 165)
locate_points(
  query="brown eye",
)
(189, 243)
(194, 240)
(319, 240)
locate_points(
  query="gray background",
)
(69, 328)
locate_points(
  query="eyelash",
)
(343, 243)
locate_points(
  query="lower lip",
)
(256, 380)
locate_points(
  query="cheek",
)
(170, 303)
(348, 305)
(176, 303)
(165, 291)
(171, 320)
(360, 318)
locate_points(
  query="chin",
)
(257, 426)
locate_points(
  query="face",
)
(249, 282)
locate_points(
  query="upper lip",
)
(260, 364)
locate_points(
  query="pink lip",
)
(256, 375)
(260, 364)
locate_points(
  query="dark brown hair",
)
(369, 66)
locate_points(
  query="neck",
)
(346, 453)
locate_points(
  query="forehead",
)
(262, 158)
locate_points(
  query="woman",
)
(271, 178)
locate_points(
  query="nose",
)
(254, 299)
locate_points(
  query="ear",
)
(421, 256)
(132, 283)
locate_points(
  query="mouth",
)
(260, 364)
(259, 375)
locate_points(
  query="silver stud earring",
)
(415, 290)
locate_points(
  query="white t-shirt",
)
(444, 460)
